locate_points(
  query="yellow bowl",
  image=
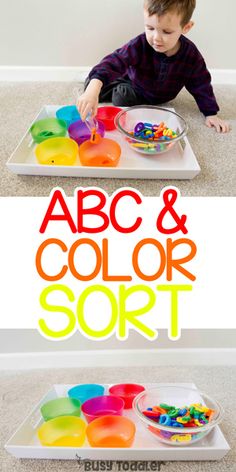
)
(63, 431)
(57, 152)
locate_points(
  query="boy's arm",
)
(199, 85)
(116, 64)
(88, 101)
(109, 69)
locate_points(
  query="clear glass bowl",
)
(178, 396)
(127, 119)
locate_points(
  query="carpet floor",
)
(21, 390)
(20, 103)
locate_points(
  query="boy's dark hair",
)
(182, 7)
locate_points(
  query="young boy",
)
(153, 67)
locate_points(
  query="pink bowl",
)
(101, 406)
(127, 392)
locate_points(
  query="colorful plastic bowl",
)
(101, 406)
(127, 120)
(79, 131)
(107, 116)
(65, 431)
(57, 151)
(69, 114)
(111, 431)
(104, 153)
(61, 407)
(84, 392)
(48, 128)
(127, 392)
(179, 396)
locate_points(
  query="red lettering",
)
(81, 195)
(57, 197)
(106, 215)
(116, 199)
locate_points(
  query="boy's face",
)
(163, 32)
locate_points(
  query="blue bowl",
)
(69, 114)
(84, 392)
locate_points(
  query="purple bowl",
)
(80, 132)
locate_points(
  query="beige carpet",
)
(20, 102)
(20, 391)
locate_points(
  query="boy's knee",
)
(124, 95)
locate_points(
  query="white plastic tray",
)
(25, 444)
(178, 163)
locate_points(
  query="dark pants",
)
(120, 93)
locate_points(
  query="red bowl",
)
(127, 392)
(107, 115)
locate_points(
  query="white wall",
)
(80, 32)
(29, 340)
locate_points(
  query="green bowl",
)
(48, 128)
(61, 407)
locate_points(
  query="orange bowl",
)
(104, 153)
(111, 431)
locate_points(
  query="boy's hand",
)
(88, 101)
(214, 121)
